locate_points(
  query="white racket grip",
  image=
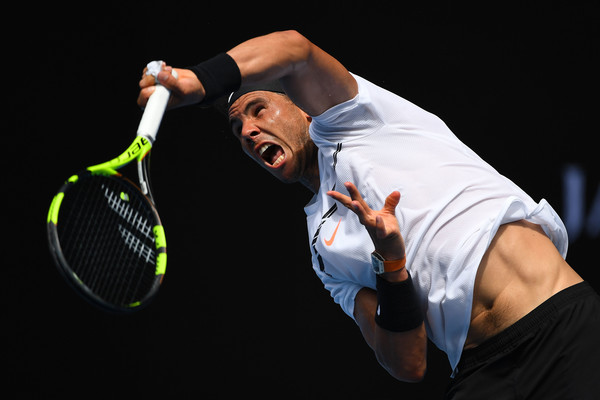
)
(154, 111)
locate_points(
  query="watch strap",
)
(394, 265)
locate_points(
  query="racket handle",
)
(153, 113)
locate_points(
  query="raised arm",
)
(313, 79)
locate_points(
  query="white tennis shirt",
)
(452, 203)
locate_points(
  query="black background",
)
(241, 312)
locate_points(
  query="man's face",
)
(273, 131)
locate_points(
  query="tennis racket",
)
(104, 231)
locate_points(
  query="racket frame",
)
(138, 151)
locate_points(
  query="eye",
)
(258, 109)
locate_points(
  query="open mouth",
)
(272, 154)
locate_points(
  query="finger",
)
(363, 213)
(391, 202)
(144, 95)
(354, 205)
(355, 195)
(345, 200)
(353, 190)
(147, 80)
(166, 78)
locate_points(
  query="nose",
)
(249, 131)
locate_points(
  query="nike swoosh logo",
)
(330, 241)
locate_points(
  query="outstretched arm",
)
(402, 354)
(313, 79)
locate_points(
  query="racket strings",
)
(105, 231)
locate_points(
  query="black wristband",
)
(219, 76)
(398, 308)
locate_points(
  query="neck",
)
(311, 179)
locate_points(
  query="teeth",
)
(279, 159)
(263, 148)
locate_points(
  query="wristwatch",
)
(381, 265)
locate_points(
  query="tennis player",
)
(413, 234)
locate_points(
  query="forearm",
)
(402, 354)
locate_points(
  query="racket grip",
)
(153, 113)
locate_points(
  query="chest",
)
(340, 245)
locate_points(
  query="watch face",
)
(377, 262)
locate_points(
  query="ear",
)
(308, 117)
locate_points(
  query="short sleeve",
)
(343, 291)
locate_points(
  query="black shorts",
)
(551, 353)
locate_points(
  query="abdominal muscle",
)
(519, 271)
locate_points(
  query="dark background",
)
(240, 310)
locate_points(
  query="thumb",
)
(166, 78)
(391, 202)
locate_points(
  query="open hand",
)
(382, 225)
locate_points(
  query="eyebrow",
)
(249, 105)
